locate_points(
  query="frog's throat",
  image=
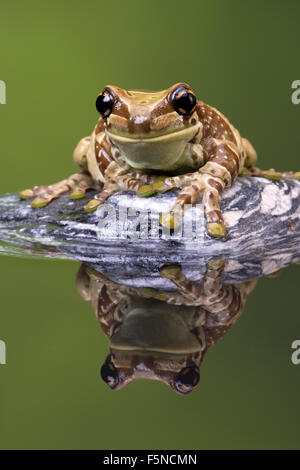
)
(161, 152)
(156, 332)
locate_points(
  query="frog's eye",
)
(184, 101)
(187, 379)
(105, 104)
(109, 374)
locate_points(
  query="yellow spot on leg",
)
(216, 230)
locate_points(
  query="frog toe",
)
(297, 175)
(77, 194)
(271, 175)
(92, 205)
(216, 230)
(169, 221)
(26, 194)
(217, 262)
(38, 202)
(170, 271)
(146, 191)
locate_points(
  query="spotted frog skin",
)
(162, 335)
(151, 142)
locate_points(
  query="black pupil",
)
(109, 374)
(184, 101)
(187, 379)
(104, 104)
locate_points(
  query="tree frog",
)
(162, 335)
(150, 142)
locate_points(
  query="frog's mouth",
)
(174, 133)
(154, 151)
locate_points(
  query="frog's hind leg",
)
(80, 153)
(251, 155)
(195, 293)
(191, 291)
(79, 183)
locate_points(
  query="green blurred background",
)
(55, 57)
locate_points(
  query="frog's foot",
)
(109, 188)
(216, 263)
(270, 174)
(212, 281)
(79, 191)
(190, 291)
(119, 179)
(157, 185)
(42, 195)
(194, 185)
(170, 271)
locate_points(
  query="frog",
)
(152, 142)
(162, 335)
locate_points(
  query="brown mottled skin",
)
(147, 144)
(200, 313)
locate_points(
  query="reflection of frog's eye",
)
(184, 101)
(109, 374)
(187, 379)
(104, 104)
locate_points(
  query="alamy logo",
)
(128, 223)
(2, 92)
(296, 354)
(296, 94)
(2, 352)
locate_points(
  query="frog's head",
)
(155, 342)
(150, 129)
(118, 371)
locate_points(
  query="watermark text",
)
(2, 92)
(296, 354)
(295, 97)
(2, 352)
(119, 222)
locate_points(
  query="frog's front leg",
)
(79, 183)
(117, 179)
(222, 167)
(206, 293)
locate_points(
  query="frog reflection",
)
(162, 335)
